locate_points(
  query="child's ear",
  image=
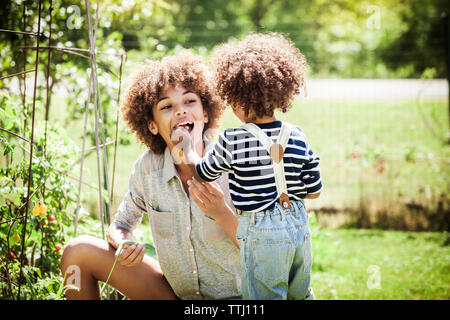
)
(205, 115)
(152, 127)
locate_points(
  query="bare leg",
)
(94, 258)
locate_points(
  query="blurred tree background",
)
(343, 38)
(358, 39)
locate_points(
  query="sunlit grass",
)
(373, 264)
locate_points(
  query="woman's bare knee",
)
(81, 256)
(75, 251)
(94, 259)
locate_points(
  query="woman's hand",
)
(208, 196)
(131, 255)
(210, 199)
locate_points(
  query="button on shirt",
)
(196, 256)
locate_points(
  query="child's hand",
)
(183, 146)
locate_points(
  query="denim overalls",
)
(275, 244)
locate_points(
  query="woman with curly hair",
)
(271, 166)
(198, 256)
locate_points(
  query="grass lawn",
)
(372, 264)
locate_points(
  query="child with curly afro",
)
(271, 166)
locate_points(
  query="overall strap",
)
(276, 152)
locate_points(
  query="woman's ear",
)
(152, 127)
(205, 115)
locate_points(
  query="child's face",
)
(178, 107)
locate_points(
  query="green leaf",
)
(30, 284)
(8, 124)
(150, 249)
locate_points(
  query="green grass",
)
(410, 265)
(394, 130)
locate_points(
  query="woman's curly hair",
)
(260, 73)
(147, 84)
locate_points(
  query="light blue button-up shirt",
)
(196, 256)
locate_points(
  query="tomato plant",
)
(52, 196)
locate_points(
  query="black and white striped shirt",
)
(251, 175)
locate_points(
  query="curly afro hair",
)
(147, 84)
(260, 73)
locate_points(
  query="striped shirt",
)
(251, 175)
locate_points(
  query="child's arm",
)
(311, 174)
(208, 168)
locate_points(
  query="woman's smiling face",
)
(177, 107)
